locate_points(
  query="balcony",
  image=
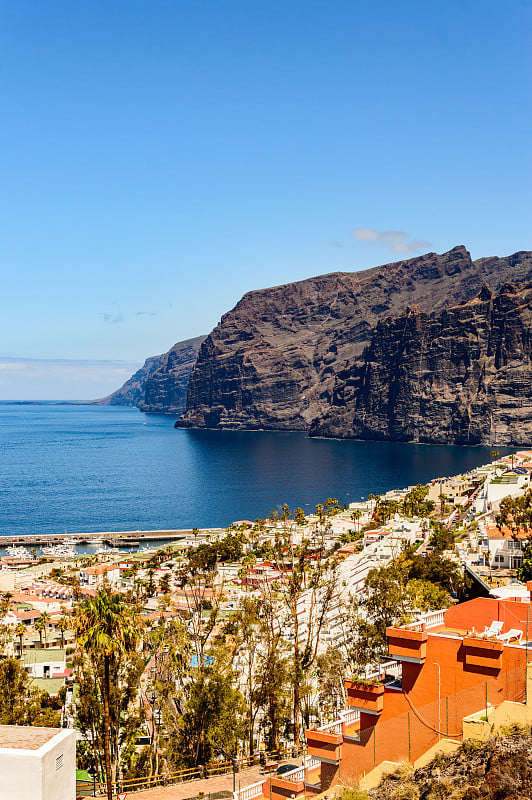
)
(365, 697)
(408, 644)
(325, 742)
(483, 653)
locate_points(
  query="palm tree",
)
(355, 516)
(39, 627)
(105, 629)
(20, 631)
(45, 619)
(62, 624)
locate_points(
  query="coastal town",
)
(286, 655)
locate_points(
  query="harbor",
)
(71, 544)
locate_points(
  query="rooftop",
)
(44, 656)
(24, 737)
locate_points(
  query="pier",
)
(111, 538)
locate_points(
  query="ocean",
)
(82, 469)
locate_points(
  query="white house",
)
(100, 575)
(37, 763)
(45, 663)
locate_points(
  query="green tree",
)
(20, 631)
(524, 572)
(63, 625)
(45, 619)
(306, 571)
(299, 516)
(355, 516)
(212, 723)
(515, 513)
(19, 703)
(39, 627)
(441, 538)
(106, 630)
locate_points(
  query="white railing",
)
(311, 762)
(255, 790)
(433, 619)
(392, 668)
(430, 620)
(350, 716)
(295, 775)
(332, 727)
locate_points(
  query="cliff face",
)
(132, 392)
(280, 359)
(463, 376)
(166, 387)
(161, 383)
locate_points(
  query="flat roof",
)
(25, 737)
(49, 655)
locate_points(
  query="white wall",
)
(32, 774)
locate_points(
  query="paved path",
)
(218, 787)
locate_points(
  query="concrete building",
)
(497, 487)
(449, 664)
(449, 671)
(44, 663)
(101, 575)
(37, 763)
(500, 548)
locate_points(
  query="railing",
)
(311, 762)
(433, 619)
(255, 790)
(332, 727)
(295, 775)
(394, 668)
(350, 716)
(430, 620)
(93, 788)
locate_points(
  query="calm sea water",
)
(85, 468)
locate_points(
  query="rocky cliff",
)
(463, 376)
(161, 383)
(132, 392)
(166, 387)
(288, 358)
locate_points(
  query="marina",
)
(64, 545)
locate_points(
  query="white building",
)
(495, 488)
(44, 663)
(37, 763)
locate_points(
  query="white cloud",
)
(396, 241)
(61, 379)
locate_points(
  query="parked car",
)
(286, 768)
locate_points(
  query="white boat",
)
(59, 551)
(18, 551)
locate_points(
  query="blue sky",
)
(158, 159)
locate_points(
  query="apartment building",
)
(471, 659)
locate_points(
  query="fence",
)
(255, 790)
(95, 788)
